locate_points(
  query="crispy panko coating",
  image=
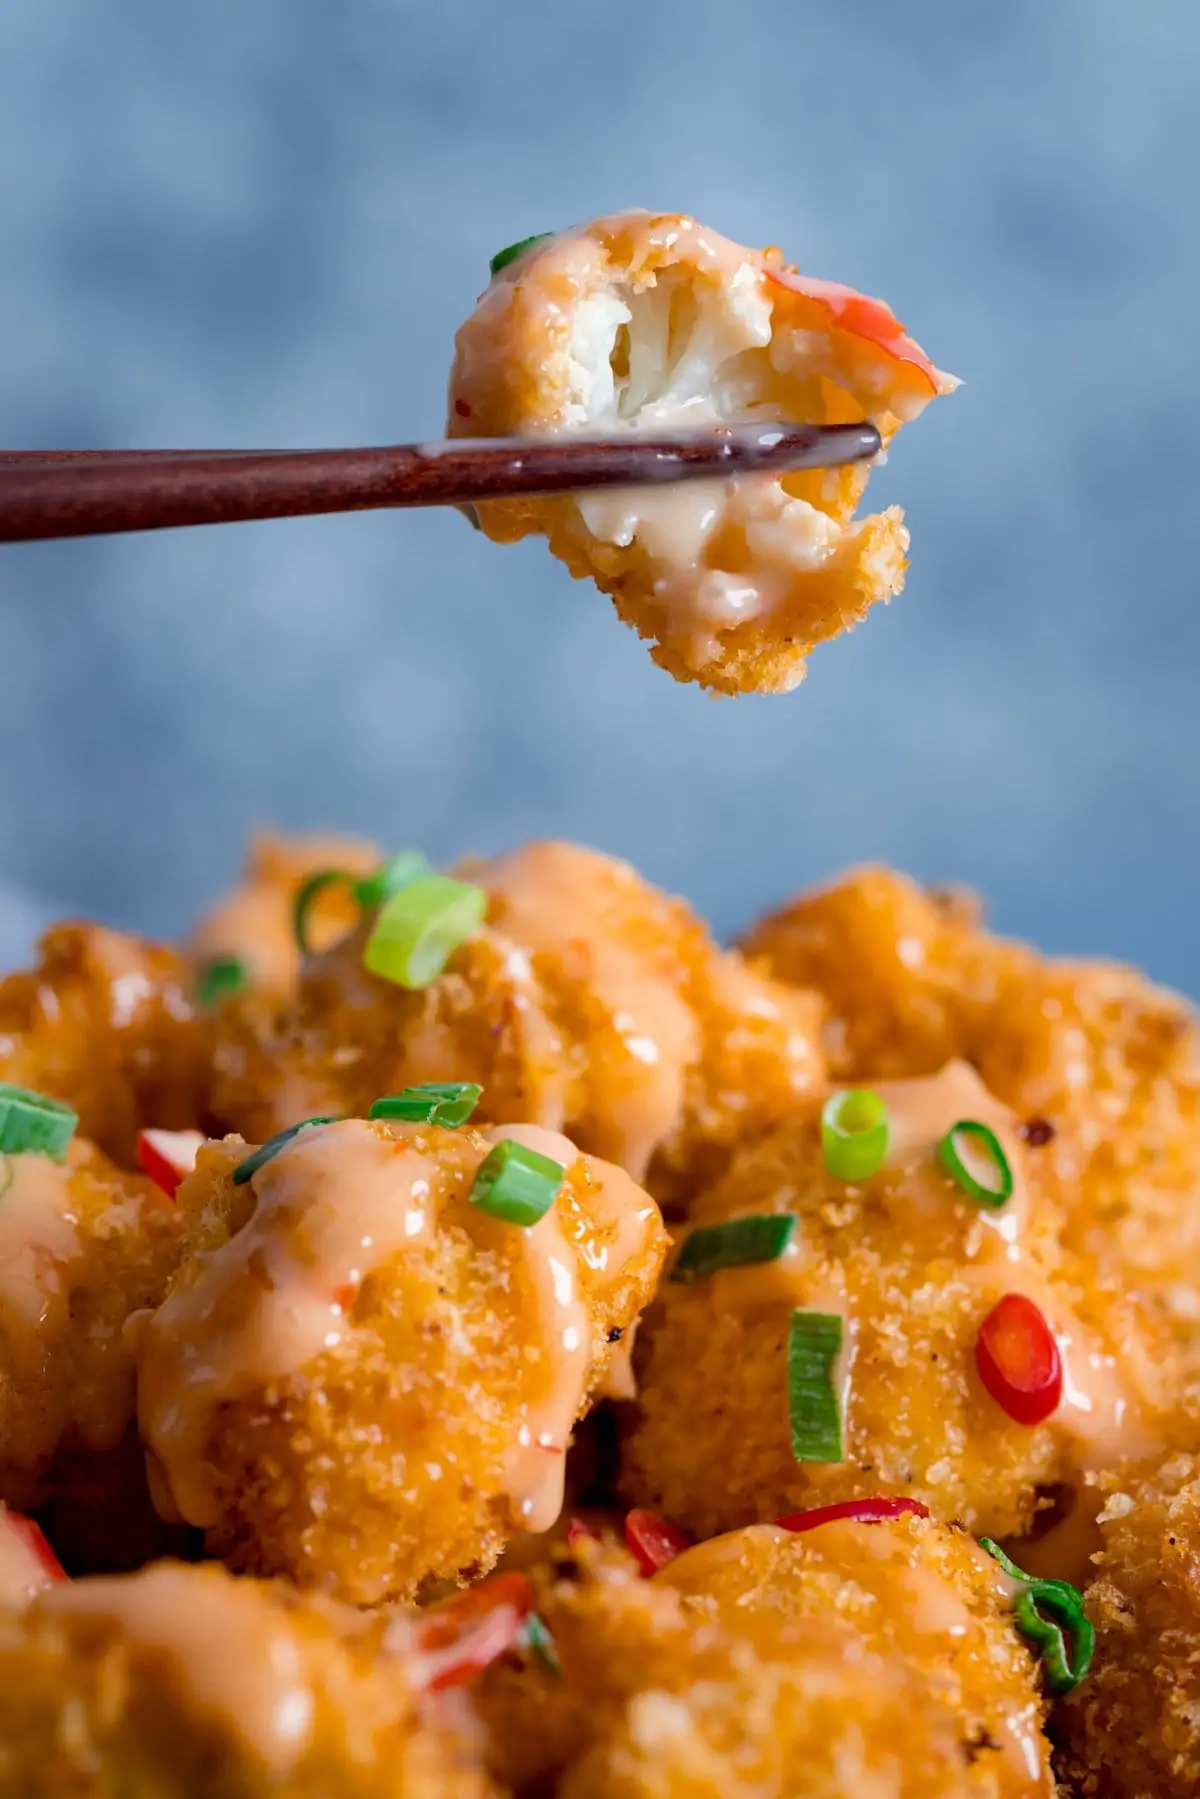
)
(650, 322)
(184, 1682)
(1132, 1730)
(253, 923)
(82, 1245)
(363, 1380)
(767, 1674)
(1106, 1060)
(913, 1267)
(105, 1022)
(590, 1002)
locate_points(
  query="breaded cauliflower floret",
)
(589, 1002)
(82, 1245)
(650, 322)
(105, 1023)
(363, 1380)
(187, 1682)
(912, 1267)
(1133, 1728)
(1103, 1065)
(253, 923)
(744, 1686)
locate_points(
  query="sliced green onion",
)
(854, 1133)
(971, 1155)
(740, 1242)
(368, 890)
(502, 258)
(814, 1344)
(419, 929)
(245, 1171)
(449, 1103)
(1043, 1612)
(306, 894)
(390, 877)
(535, 1636)
(516, 1183)
(32, 1124)
(225, 975)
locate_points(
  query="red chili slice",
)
(578, 1532)
(29, 1564)
(461, 1637)
(861, 1511)
(653, 1541)
(862, 316)
(168, 1156)
(1019, 1361)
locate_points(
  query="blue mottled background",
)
(258, 223)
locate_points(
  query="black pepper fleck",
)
(1036, 1132)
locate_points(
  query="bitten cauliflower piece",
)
(82, 1245)
(883, 1664)
(189, 1682)
(1102, 1068)
(363, 1379)
(105, 1023)
(651, 322)
(252, 925)
(1133, 1728)
(908, 1267)
(589, 1001)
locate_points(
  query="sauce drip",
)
(335, 1204)
(39, 1239)
(574, 908)
(230, 1648)
(561, 1324)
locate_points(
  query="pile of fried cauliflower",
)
(471, 1335)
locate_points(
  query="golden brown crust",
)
(1133, 1728)
(87, 1708)
(380, 1466)
(105, 1022)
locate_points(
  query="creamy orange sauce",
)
(562, 1324)
(335, 1204)
(232, 1653)
(554, 899)
(39, 1239)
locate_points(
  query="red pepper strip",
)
(167, 1156)
(461, 1637)
(862, 1511)
(1019, 1361)
(653, 1541)
(578, 1532)
(27, 1562)
(861, 316)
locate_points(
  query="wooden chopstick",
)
(80, 493)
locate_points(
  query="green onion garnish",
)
(814, 1344)
(971, 1155)
(502, 258)
(854, 1133)
(758, 1238)
(419, 929)
(1063, 1605)
(449, 1103)
(369, 890)
(245, 1171)
(32, 1124)
(390, 877)
(516, 1184)
(535, 1636)
(227, 974)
